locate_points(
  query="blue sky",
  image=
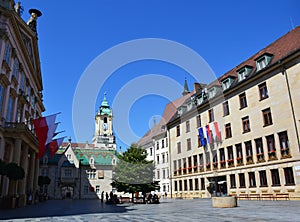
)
(73, 34)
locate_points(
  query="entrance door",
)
(67, 192)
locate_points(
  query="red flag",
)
(217, 131)
(51, 131)
(54, 145)
(41, 127)
(209, 136)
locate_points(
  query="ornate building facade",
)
(20, 99)
(83, 170)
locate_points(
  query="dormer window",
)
(263, 61)
(92, 160)
(244, 72)
(226, 83)
(212, 92)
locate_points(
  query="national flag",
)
(218, 133)
(209, 136)
(51, 131)
(201, 135)
(54, 145)
(41, 127)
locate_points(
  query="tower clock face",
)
(105, 126)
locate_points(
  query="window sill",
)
(247, 131)
(268, 125)
(261, 99)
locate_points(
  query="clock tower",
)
(103, 137)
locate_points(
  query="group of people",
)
(152, 198)
(110, 198)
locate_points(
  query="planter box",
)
(224, 202)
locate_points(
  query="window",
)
(151, 151)
(263, 61)
(211, 115)
(157, 159)
(157, 145)
(201, 160)
(252, 182)
(68, 172)
(164, 174)
(232, 181)
(185, 185)
(190, 166)
(259, 149)
(179, 166)
(7, 53)
(91, 174)
(244, 72)
(157, 174)
(195, 162)
(178, 130)
(243, 100)
(191, 184)
(289, 176)
(202, 184)
(198, 119)
(248, 146)
(175, 186)
(239, 153)
(196, 184)
(97, 189)
(226, 84)
(263, 178)
(225, 109)
(92, 160)
(175, 166)
(163, 158)
(178, 147)
(228, 131)
(275, 177)
(162, 143)
(211, 92)
(16, 68)
(263, 91)
(230, 153)
(188, 144)
(271, 146)
(284, 143)
(1, 98)
(167, 157)
(267, 117)
(9, 113)
(187, 126)
(184, 165)
(242, 180)
(246, 124)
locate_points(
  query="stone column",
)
(22, 184)
(17, 151)
(31, 171)
(36, 175)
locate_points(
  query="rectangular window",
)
(198, 121)
(178, 130)
(179, 167)
(16, 69)
(191, 184)
(175, 186)
(232, 181)
(184, 165)
(263, 91)
(157, 145)
(1, 99)
(7, 53)
(284, 143)
(275, 177)
(180, 185)
(9, 113)
(157, 174)
(164, 174)
(188, 144)
(163, 158)
(249, 152)
(157, 159)
(68, 172)
(185, 185)
(242, 180)
(230, 155)
(97, 189)
(271, 146)
(178, 147)
(243, 100)
(163, 143)
(22, 83)
(252, 181)
(225, 108)
(259, 149)
(263, 178)
(239, 153)
(267, 117)
(289, 176)
(187, 126)
(246, 124)
(211, 115)
(195, 163)
(175, 166)
(202, 184)
(196, 184)
(228, 133)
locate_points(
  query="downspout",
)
(291, 102)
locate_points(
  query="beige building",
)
(20, 98)
(240, 134)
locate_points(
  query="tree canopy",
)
(133, 173)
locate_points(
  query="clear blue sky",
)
(74, 33)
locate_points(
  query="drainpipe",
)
(291, 102)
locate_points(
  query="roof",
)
(101, 157)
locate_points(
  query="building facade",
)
(240, 134)
(20, 99)
(83, 170)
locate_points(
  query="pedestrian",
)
(102, 196)
(106, 195)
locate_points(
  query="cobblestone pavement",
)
(168, 210)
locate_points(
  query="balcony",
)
(16, 130)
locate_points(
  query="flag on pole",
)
(201, 135)
(41, 127)
(209, 136)
(54, 145)
(218, 133)
(51, 131)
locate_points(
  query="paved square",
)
(168, 210)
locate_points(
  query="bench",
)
(268, 196)
(254, 196)
(243, 196)
(282, 196)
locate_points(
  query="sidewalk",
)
(167, 210)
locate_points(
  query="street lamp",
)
(80, 178)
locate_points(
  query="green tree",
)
(14, 172)
(133, 173)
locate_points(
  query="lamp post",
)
(80, 178)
